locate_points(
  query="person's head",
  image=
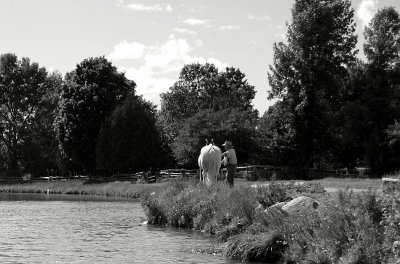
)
(227, 145)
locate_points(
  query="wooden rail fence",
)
(249, 172)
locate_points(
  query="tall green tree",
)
(40, 153)
(89, 95)
(308, 73)
(201, 87)
(23, 85)
(129, 139)
(382, 96)
(382, 37)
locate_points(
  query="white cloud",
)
(366, 11)
(185, 31)
(228, 27)
(125, 50)
(157, 7)
(162, 64)
(258, 17)
(197, 22)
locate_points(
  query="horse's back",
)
(210, 162)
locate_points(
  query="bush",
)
(265, 247)
(391, 221)
(271, 194)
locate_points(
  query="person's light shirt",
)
(230, 157)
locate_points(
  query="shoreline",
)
(134, 190)
(78, 187)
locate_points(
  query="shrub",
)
(153, 209)
(271, 194)
(349, 231)
(391, 221)
(265, 247)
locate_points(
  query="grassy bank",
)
(347, 227)
(119, 189)
(134, 190)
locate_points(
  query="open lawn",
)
(330, 184)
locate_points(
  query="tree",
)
(275, 135)
(382, 93)
(234, 124)
(383, 39)
(89, 95)
(40, 153)
(392, 141)
(129, 139)
(309, 71)
(202, 87)
(22, 88)
(351, 133)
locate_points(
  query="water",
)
(36, 228)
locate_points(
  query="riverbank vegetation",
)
(76, 187)
(346, 228)
(131, 190)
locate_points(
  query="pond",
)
(40, 228)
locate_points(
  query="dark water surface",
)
(39, 228)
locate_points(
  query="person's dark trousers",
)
(231, 173)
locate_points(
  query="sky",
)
(152, 40)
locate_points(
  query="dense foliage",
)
(129, 139)
(23, 89)
(41, 155)
(307, 75)
(333, 110)
(207, 103)
(231, 124)
(89, 95)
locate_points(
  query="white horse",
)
(209, 163)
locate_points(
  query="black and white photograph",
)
(182, 131)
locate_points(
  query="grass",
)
(330, 184)
(77, 187)
(351, 183)
(348, 227)
(134, 190)
(394, 175)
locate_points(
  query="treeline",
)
(89, 122)
(333, 110)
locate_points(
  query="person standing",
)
(229, 161)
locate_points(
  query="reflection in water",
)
(44, 229)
